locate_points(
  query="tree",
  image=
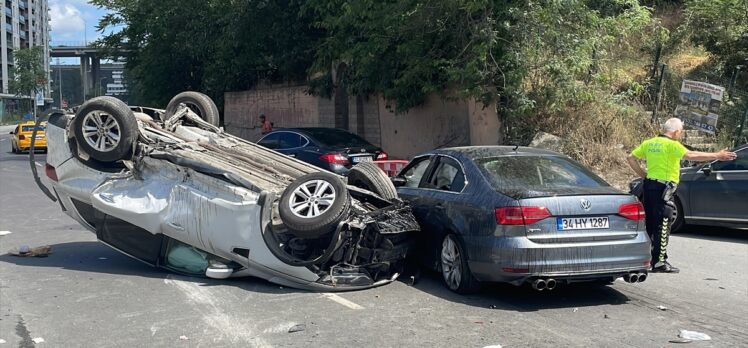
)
(721, 26)
(29, 75)
(212, 46)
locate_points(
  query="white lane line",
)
(38, 164)
(5, 233)
(342, 301)
(214, 314)
(3, 139)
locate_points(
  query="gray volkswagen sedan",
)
(522, 215)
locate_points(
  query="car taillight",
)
(382, 156)
(632, 211)
(334, 158)
(50, 171)
(21, 137)
(521, 215)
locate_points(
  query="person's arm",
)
(634, 164)
(722, 155)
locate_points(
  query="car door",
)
(291, 143)
(721, 195)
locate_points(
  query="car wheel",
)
(314, 204)
(199, 103)
(106, 129)
(679, 221)
(369, 177)
(455, 270)
(13, 148)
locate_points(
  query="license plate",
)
(361, 159)
(583, 223)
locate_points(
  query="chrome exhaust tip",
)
(631, 278)
(642, 277)
(550, 284)
(539, 284)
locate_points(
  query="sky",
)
(73, 21)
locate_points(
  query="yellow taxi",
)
(21, 140)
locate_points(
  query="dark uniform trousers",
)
(659, 213)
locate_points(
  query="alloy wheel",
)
(312, 199)
(101, 131)
(451, 263)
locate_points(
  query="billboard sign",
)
(698, 105)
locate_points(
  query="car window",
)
(289, 140)
(415, 172)
(537, 173)
(270, 141)
(330, 137)
(31, 128)
(448, 176)
(740, 163)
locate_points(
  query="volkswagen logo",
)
(586, 204)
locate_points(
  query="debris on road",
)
(493, 346)
(2, 341)
(680, 340)
(5, 233)
(605, 316)
(575, 310)
(297, 328)
(662, 308)
(711, 279)
(492, 307)
(694, 335)
(25, 251)
(37, 340)
(184, 338)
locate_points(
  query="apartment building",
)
(25, 24)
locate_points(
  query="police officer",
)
(663, 155)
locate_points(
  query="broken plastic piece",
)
(184, 338)
(694, 335)
(680, 340)
(662, 308)
(297, 328)
(25, 251)
(37, 340)
(2, 340)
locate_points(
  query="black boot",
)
(664, 267)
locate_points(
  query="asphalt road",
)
(88, 295)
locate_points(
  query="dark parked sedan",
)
(522, 215)
(333, 149)
(713, 194)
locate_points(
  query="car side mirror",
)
(11, 133)
(398, 181)
(707, 169)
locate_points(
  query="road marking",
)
(342, 301)
(38, 164)
(4, 233)
(214, 313)
(3, 139)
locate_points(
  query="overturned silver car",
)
(171, 189)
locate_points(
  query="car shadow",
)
(95, 257)
(713, 233)
(504, 296)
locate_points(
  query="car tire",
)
(454, 267)
(13, 149)
(108, 120)
(304, 215)
(369, 177)
(679, 222)
(199, 103)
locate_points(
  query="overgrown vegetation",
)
(581, 69)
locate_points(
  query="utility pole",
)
(59, 79)
(659, 91)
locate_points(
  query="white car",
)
(171, 189)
